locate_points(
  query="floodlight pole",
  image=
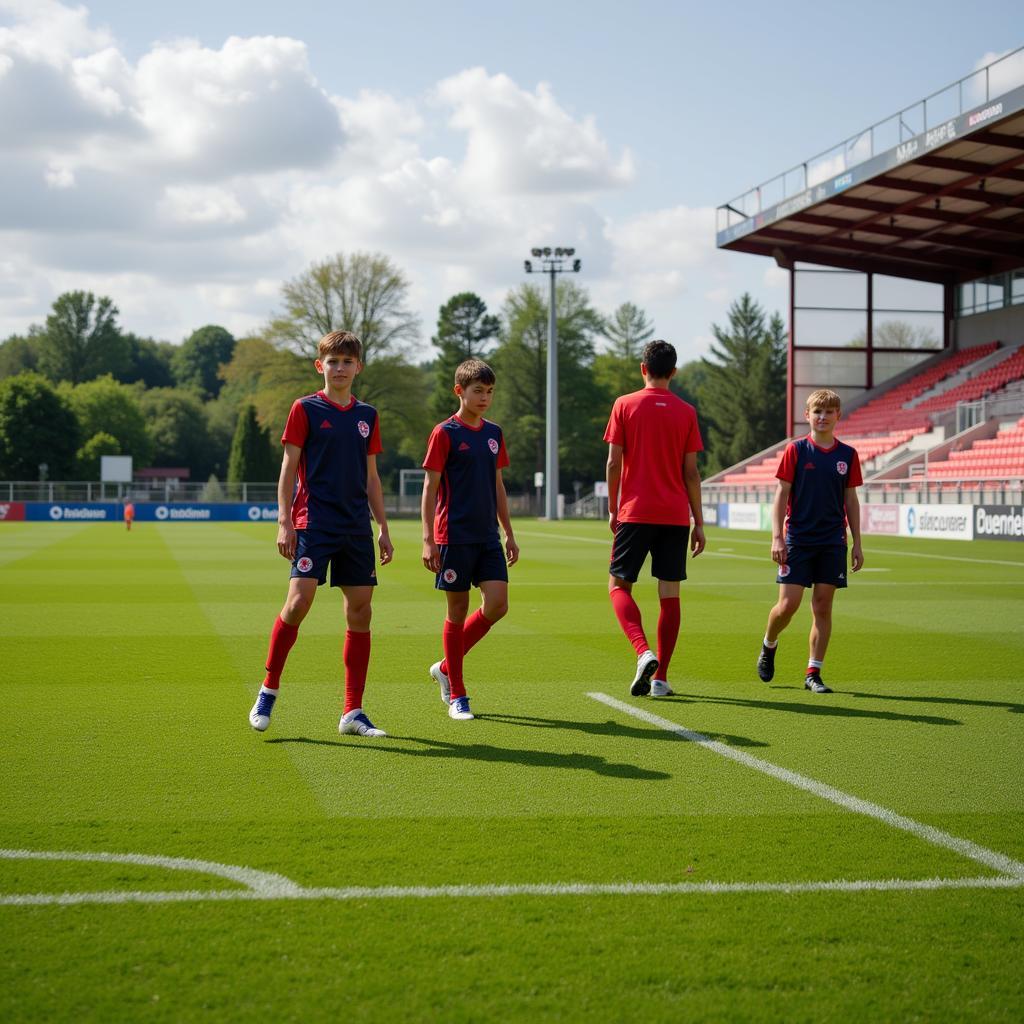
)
(553, 262)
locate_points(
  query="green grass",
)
(130, 662)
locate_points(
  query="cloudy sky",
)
(188, 158)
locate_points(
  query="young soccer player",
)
(463, 501)
(815, 502)
(129, 515)
(331, 442)
(653, 490)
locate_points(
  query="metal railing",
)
(979, 87)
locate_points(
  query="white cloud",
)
(201, 204)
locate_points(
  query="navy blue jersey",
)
(817, 499)
(468, 459)
(335, 440)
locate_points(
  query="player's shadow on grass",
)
(1014, 709)
(487, 752)
(824, 708)
(617, 729)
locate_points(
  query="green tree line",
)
(78, 386)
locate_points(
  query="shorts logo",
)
(304, 564)
(493, 445)
(841, 468)
(364, 428)
(783, 570)
(450, 576)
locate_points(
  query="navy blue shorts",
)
(352, 558)
(806, 566)
(666, 545)
(463, 565)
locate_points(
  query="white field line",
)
(990, 858)
(295, 892)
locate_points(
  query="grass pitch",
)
(494, 869)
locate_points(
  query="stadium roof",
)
(935, 192)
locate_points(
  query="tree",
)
(617, 371)
(88, 460)
(898, 334)
(20, 354)
(465, 330)
(198, 361)
(520, 395)
(81, 339)
(177, 429)
(107, 406)
(36, 425)
(365, 293)
(251, 457)
(150, 362)
(744, 394)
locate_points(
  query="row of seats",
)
(988, 458)
(994, 378)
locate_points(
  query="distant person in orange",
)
(129, 514)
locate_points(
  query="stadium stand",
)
(999, 457)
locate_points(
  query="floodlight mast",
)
(552, 262)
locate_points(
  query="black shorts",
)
(808, 565)
(352, 558)
(666, 545)
(466, 564)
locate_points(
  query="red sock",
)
(668, 631)
(473, 631)
(628, 614)
(356, 656)
(282, 637)
(454, 649)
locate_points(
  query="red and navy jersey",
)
(330, 494)
(816, 513)
(655, 430)
(468, 459)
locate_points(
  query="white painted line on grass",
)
(262, 883)
(964, 847)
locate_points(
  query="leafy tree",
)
(465, 330)
(88, 463)
(617, 371)
(365, 293)
(150, 362)
(20, 354)
(81, 339)
(177, 429)
(107, 406)
(520, 395)
(36, 425)
(198, 361)
(898, 334)
(744, 394)
(252, 458)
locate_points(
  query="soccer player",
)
(129, 515)
(814, 503)
(331, 442)
(463, 501)
(653, 490)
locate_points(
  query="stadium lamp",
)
(552, 263)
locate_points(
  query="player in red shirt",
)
(463, 501)
(815, 502)
(327, 490)
(653, 490)
(129, 515)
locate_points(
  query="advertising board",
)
(999, 522)
(948, 522)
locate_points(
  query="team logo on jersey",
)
(364, 428)
(304, 564)
(783, 570)
(450, 576)
(493, 445)
(841, 468)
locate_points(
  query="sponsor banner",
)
(72, 511)
(12, 511)
(744, 516)
(950, 522)
(999, 522)
(766, 517)
(723, 515)
(711, 515)
(880, 518)
(106, 512)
